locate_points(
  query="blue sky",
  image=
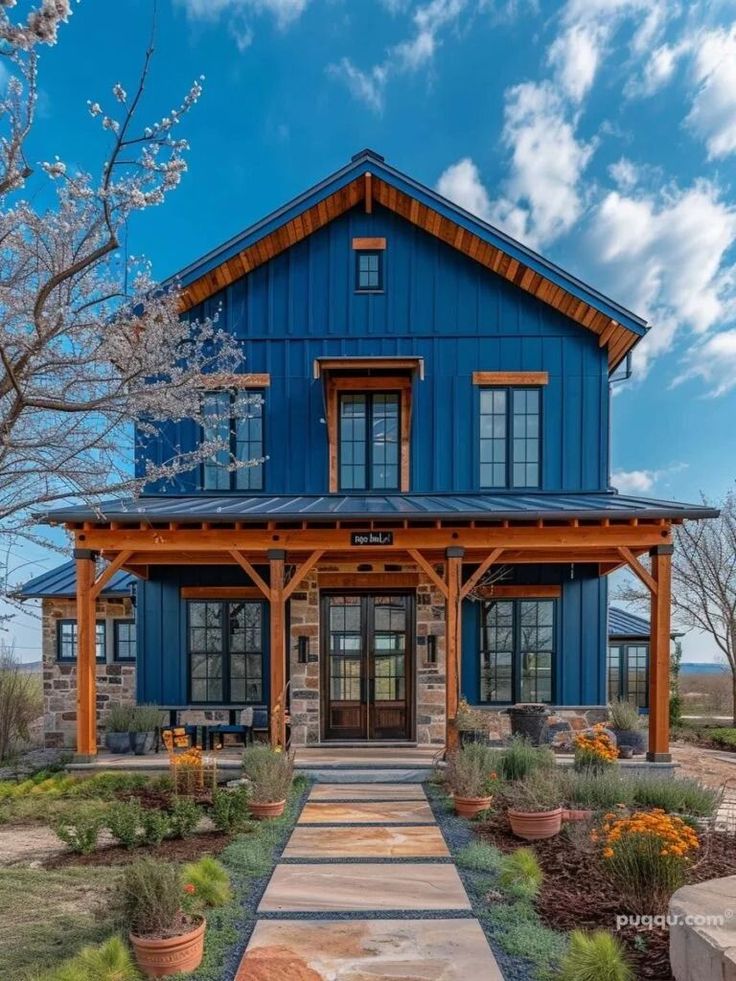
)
(601, 132)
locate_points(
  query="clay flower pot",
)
(577, 814)
(468, 807)
(533, 825)
(158, 957)
(272, 809)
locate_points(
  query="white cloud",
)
(575, 55)
(713, 362)
(624, 173)
(367, 87)
(713, 113)
(642, 481)
(461, 183)
(237, 14)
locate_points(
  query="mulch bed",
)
(576, 893)
(176, 850)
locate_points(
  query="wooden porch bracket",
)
(249, 570)
(482, 569)
(637, 568)
(106, 575)
(302, 571)
(429, 571)
(453, 642)
(86, 660)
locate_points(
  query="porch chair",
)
(244, 728)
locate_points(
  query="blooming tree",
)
(89, 346)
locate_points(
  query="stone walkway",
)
(366, 888)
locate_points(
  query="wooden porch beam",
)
(251, 572)
(106, 575)
(86, 659)
(480, 572)
(638, 569)
(302, 571)
(659, 656)
(430, 573)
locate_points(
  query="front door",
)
(367, 666)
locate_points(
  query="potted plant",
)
(595, 749)
(164, 918)
(117, 726)
(269, 773)
(472, 724)
(144, 721)
(470, 775)
(534, 806)
(624, 722)
(529, 719)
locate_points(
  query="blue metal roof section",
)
(62, 581)
(365, 507)
(621, 623)
(370, 161)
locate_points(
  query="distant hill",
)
(693, 667)
(31, 666)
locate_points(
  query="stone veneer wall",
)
(115, 680)
(305, 678)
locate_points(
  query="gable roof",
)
(62, 581)
(629, 626)
(367, 178)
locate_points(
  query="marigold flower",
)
(190, 888)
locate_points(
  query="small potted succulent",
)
(470, 775)
(625, 724)
(117, 728)
(534, 806)
(471, 724)
(269, 773)
(164, 916)
(144, 721)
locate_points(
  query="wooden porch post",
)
(659, 655)
(276, 558)
(453, 641)
(86, 654)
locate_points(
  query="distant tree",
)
(89, 346)
(704, 582)
(20, 701)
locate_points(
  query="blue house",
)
(430, 515)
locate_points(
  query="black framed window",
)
(369, 434)
(235, 420)
(517, 648)
(369, 271)
(226, 641)
(124, 640)
(628, 673)
(510, 437)
(66, 640)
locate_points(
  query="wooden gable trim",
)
(510, 378)
(358, 383)
(371, 244)
(619, 340)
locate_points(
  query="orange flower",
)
(190, 888)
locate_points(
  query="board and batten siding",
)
(438, 305)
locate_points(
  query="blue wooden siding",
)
(161, 623)
(580, 664)
(438, 305)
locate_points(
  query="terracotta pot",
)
(535, 825)
(159, 958)
(468, 807)
(577, 814)
(262, 812)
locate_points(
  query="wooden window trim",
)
(323, 366)
(512, 378)
(369, 244)
(520, 592)
(375, 581)
(365, 384)
(220, 592)
(221, 380)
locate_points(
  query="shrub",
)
(468, 719)
(110, 961)
(521, 758)
(210, 880)
(541, 791)
(21, 703)
(144, 718)
(594, 956)
(521, 874)
(623, 715)
(107, 786)
(119, 718)
(80, 829)
(595, 749)
(676, 796)
(269, 772)
(596, 789)
(646, 855)
(124, 821)
(184, 818)
(518, 931)
(479, 856)
(155, 826)
(150, 898)
(471, 771)
(723, 736)
(230, 809)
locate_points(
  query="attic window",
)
(369, 272)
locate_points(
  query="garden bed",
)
(175, 850)
(577, 893)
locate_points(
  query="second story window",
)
(369, 433)
(369, 271)
(510, 437)
(235, 420)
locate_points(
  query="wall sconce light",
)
(431, 649)
(303, 648)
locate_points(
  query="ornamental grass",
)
(595, 749)
(646, 854)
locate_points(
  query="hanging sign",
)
(372, 538)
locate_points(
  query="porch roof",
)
(62, 582)
(463, 507)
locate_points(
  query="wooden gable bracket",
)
(638, 569)
(429, 571)
(106, 575)
(485, 565)
(368, 193)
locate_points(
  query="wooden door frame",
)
(410, 654)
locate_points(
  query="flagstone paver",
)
(367, 812)
(396, 929)
(391, 841)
